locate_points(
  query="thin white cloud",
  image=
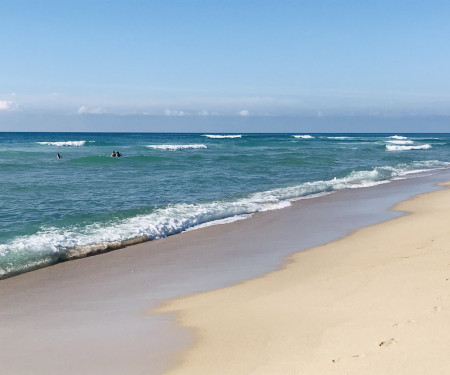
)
(311, 103)
(91, 111)
(6, 105)
(169, 112)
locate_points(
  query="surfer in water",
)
(58, 156)
(113, 155)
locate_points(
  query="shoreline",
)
(94, 249)
(375, 301)
(100, 302)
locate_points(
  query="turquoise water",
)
(87, 202)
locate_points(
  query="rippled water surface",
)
(57, 209)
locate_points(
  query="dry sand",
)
(375, 302)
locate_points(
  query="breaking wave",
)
(64, 143)
(51, 244)
(407, 148)
(306, 136)
(176, 147)
(339, 138)
(401, 142)
(218, 136)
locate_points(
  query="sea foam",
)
(176, 147)
(398, 137)
(55, 244)
(218, 136)
(64, 143)
(407, 148)
(305, 136)
(401, 142)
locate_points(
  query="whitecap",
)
(398, 137)
(176, 147)
(219, 136)
(64, 143)
(305, 136)
(407, 148)
(401, 142)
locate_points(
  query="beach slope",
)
(374, 302)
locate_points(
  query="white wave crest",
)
(339, 138)
(306, 136)
(407, 148)
(401, 142)
(63, 144)
(218, 136)
(176, 147)
(398, 137)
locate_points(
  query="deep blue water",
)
(53, 210)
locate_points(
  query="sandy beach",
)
(225, 188)
(375, 302)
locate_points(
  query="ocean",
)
(87, 202)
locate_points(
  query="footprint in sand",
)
(401, 325)
(437, 308)
(387, 342)
(336, 360)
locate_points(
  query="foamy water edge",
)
(60, 244)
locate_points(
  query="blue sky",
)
(225, 58)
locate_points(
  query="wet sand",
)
(90, 316)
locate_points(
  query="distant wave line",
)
(64, 143)
(398, 137)
(407, 148)
(218, 136)
(401, 142)
(176, 147)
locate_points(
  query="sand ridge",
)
(375, 302)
